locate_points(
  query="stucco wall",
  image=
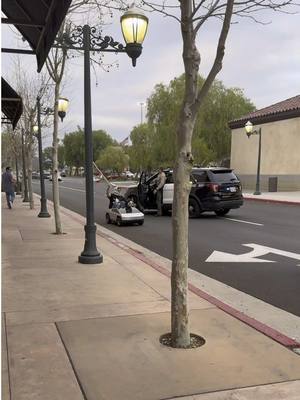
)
(280, 150)
(284, 182)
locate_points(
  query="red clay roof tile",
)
(285, 109)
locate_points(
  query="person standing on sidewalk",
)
(8, 183)
(160, 181)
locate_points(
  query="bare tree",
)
(192, 16)
(28, 88)
(55, 63)
(11, 147)
(16, 146)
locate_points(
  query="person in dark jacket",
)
(8, 183)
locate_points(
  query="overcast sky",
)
(263, 60)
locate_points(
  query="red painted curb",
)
(252, 322)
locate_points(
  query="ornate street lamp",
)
(62, 107)
(134, 26)
(250, 131)
(37, 130)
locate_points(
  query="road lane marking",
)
(66, 187)
(250, 257)
(244, 222)
(75, 190)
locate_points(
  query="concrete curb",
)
(268, 200)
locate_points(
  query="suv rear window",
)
(223, 176)
(200, 176)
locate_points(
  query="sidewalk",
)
(277, 197)
(91, 332)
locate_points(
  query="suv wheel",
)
(194, 209)
(165, 211)
(222, 212)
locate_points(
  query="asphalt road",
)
(276, 226)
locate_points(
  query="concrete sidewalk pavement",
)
(73, 331)
(277, 197)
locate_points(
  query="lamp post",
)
(37, 129)
(142, 105)
(17, 177)
(24, 177)
(249, 132)
(134, 27)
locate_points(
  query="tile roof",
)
(289, 108)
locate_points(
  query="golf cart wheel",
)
(107, 218)
(119, 221)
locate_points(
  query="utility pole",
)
(24, 177)
(142, 105)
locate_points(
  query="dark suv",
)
(213, 189)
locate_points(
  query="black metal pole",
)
(44, 212)
(257, 187)
(17, 176)
(25, 199)
(90, 254)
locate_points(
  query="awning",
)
(11, 104)
(38, 21)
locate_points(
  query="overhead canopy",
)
(11, 104)
(38, 21)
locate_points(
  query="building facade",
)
(280, 147)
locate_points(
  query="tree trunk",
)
(193, 98)
(182, 186)
(179, 309)
(55, 187)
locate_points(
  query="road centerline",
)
(243, 221)
(75, 190)
(66, 187)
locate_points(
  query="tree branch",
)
(217, 65)
(204, 18)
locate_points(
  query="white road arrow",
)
(257, 251)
